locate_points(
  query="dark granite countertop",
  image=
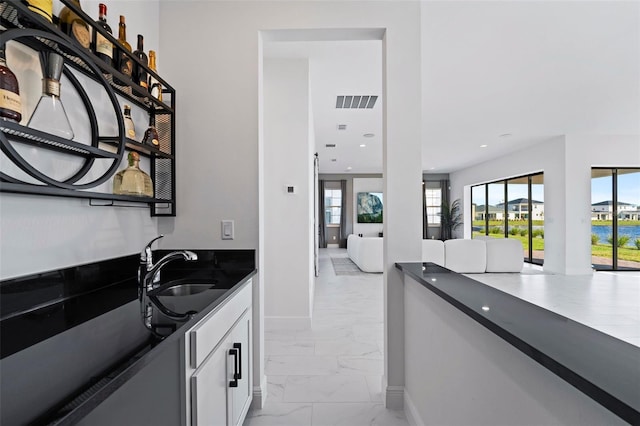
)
(603, 367)
(39, 308)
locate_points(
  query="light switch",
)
(227, 229)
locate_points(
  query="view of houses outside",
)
(511, 220)
(488, 202)
(627, 189)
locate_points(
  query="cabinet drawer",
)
(206, 335)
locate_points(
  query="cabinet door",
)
(210, 402)
(242, 394)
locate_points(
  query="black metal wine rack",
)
(25, 27)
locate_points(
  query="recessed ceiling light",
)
(369, 135)
(505, 135)
(349, 168)
(362, 145)
(483, 146)
(432, 168)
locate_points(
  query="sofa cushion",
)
(433, 251)
(504, 255)
(465, 256)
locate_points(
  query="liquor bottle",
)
(102, 47)
(72, 25)
(10, 105)
(43, 8)
(132, 180)
(130, 129)
(155, 88)
(139, 73)
(151, 134)
(124, 62)
(50, 115)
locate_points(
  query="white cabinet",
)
(219, 368)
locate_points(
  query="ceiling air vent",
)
(330, 145)
(342, 127)
(356, 102)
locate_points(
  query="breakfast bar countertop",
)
(601, 366)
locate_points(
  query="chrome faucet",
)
(147, 273)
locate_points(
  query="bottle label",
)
(126, 65)
(10, 100)
(43, 8)
(143, 83)
(131, 134)
(81, 33)
(155, 142)
(156, 89)
(51, 87)
(103, 45)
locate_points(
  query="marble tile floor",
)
(332, 373)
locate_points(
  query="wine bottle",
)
(72, 25)
(124, 62)
(43, 8)
(139, 73)
(102, 47)
(151, 134)
(10, 105)
(129, 127)
(155, 88)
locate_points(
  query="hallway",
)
(331, 374)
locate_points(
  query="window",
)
(512, 208)
(332, 206)
(615, 218)
(433, 198)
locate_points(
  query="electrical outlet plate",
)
(227, 230)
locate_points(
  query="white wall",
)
(40, 233)
(366, 185)
(288, 161)
(566, 162)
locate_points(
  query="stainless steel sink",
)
(185, 289)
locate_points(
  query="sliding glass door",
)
(615, 218)
(512, 208)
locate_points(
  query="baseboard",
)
(287, 323)
(259, 394)
(411, 411)
(393, 395)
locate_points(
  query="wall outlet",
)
(227, 230)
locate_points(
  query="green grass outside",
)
(624, 253)
(600, 250)
(524, 223)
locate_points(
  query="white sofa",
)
(366, 252)
(475, 256)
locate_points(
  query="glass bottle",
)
(139, 73)
(155, 88)
(72, 25)
(49, 115)
(43, 8)
(151, 134)
(124, 62)
(129, 127)
(10, 104)
(102, 47)
(132, 180)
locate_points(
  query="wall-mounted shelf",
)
(42, 36)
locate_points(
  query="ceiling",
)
(505, 75)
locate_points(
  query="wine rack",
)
(19, 24)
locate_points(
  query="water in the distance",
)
(605, 231)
